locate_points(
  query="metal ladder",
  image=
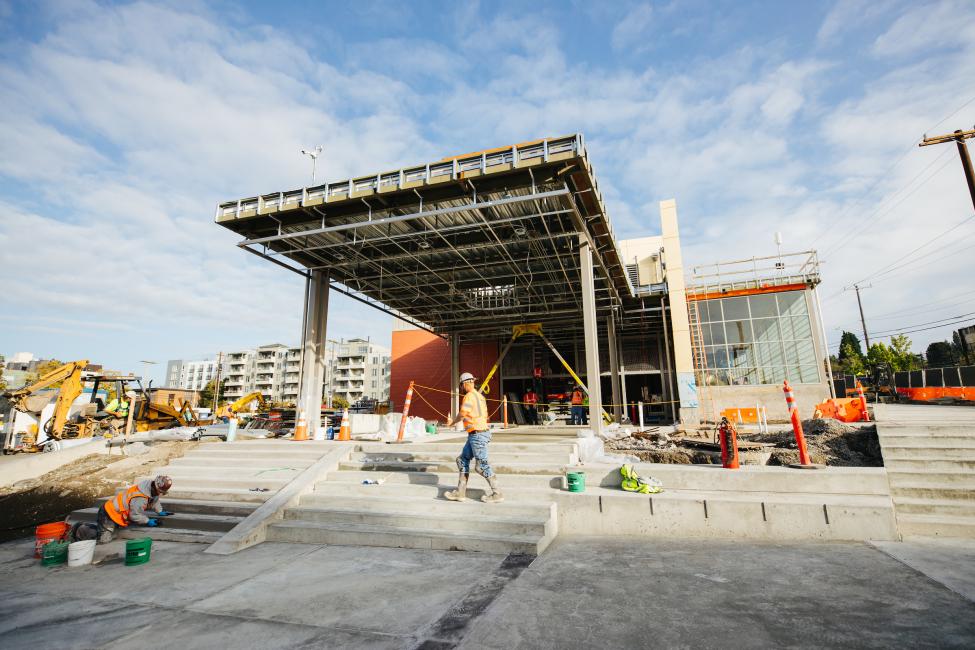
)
(700, 358)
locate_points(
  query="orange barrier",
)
(863, 402)
(345, 432)
(47, 533)
(301, 429)
(406, 413)
(504, 407)
(790, 403)
(844, 409)
(742, 416)
(927, 394)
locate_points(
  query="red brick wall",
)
(423, 357)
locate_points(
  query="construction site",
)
(679, 426)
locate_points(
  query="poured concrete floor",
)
(582, 593)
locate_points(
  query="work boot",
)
(495, 496)
(461, 492)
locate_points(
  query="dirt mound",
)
(829, 442)
(79, 484)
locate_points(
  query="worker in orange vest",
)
(136, 504)
(531, 405)
(474, 413)
(578, 415)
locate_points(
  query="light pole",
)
(145, 366)
(313, 154)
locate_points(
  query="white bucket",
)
(81, 553)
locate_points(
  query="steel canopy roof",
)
(477, 243)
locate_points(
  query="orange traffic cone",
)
(301, 430)
(345, 432)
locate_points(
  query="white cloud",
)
(630, 33)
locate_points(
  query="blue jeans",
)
(579, 415)
(476, 449)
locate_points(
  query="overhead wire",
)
(847, 237)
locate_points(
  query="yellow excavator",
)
(29, 433)
(236, 407)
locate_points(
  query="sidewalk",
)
(583, 593)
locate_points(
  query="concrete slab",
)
(382, 590)
(947, 562)
(586, 593)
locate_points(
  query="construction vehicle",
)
(41, 417)
(236, 407)
(534, 328)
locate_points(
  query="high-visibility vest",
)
(537, 372)
(531, 398)
(474, 411)
(118, 506)
(577, 398)
(120, 407)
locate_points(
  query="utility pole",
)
(958, 137)
(863, 321)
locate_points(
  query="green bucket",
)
(576, 481)
(137, 551)
(431, 428)
(54, 553)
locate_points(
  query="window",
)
(762, 339)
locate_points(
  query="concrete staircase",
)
(931, 468)
(407, 508)
(217, 485)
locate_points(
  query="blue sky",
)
(124, 125)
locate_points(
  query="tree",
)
(961, 353)
(904, 358)
(850, 359)
(880, 355)
(940, 354)
(339, 402)
(850, 346)
(206, 395)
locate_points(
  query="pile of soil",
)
(53, 496)
(828, 441)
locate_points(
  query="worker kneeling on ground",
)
(473, 411)
(138, 504)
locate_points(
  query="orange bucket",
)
(47, 533)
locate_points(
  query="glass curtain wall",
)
(762, 339)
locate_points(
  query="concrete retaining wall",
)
(769, 396)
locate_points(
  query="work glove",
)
(152, 523)
(163, 513)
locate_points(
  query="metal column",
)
(614, 368)
(454, 374)
(590, 330)
(313, 352)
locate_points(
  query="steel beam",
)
(591, 336)
(614, 367)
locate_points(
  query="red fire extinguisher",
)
(728, 437)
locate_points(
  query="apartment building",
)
(357, 368)
(354, 369)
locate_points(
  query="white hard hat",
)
(466, 377)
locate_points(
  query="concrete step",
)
(891, 452)
(454, 447)
(172, 535)
(936, 526)
(205, 507)
(929, 492)
(391, 536)
(220, 483)
(443, 478)
(278, 473)
(449, 466)
(430, 492)
(933, 478)
(914, 506)
(930, 463)
(196, 492)
(422, 455)
(376, 515)
(270, 458)
(178, 520)
(926, 429)
(391, 500)
(944, 440)
(242, 462)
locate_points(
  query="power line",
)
(925, 329)
(921, 309)
(850, 237)
(930, 322)
(896, 265)
(929, 263)
(952, 114)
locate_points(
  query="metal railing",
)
(755, 272)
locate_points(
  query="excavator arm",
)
(70, 376)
